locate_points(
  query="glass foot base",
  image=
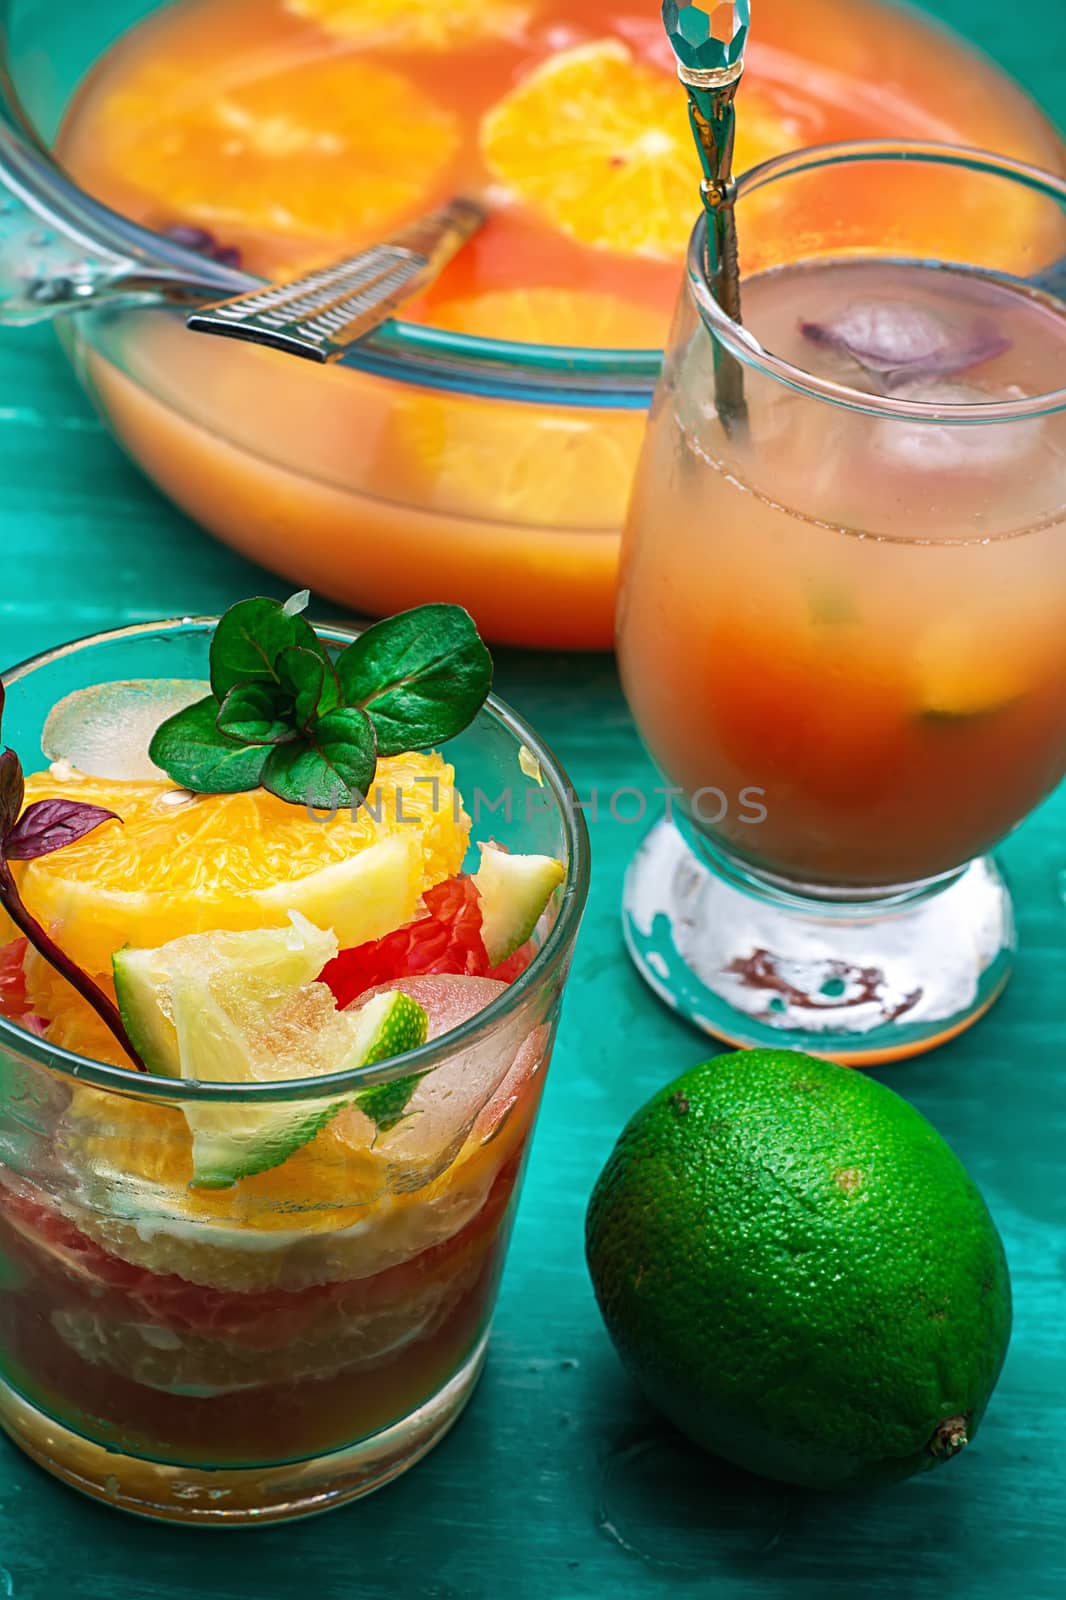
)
(235, 1497)
(861, 984)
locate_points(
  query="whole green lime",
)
(799, 1272)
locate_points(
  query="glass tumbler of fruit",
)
(842, 626)
(255, 1280)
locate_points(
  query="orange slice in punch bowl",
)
(417, 24)
(579, 317)
(522, 463)
(307, 157)
(596, 142)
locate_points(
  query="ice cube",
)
(105, 730)
(930, 446)
(449, 1101)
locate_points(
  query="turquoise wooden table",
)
(559, 1483)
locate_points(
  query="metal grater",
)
(320, 315)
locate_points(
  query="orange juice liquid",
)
(296, 131)
(860, 618)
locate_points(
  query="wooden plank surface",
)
(559, 1484)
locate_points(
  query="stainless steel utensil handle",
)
(320, 315)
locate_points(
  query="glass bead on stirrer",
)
(708, 39)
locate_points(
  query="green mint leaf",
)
(423, 676)
(254, 713)
(310, 681)
(194, 754)
(332, 765)
(249, 639)
(386, 1103)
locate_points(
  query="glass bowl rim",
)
(751, 354)
(545, 964)
(405, 351)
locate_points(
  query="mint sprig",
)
(285, 716)
(252, 635)
(421, 677)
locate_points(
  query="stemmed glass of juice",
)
(842, 626)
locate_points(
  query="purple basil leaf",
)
(189, 237)
(900, 343)
(12, 791)
(50, 824)
(204, 243)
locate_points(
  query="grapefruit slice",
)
(13, 998)
(446, 940)
(499, 908)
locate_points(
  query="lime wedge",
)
(305, 1037)
(265, 965)
(244, 1008)
(514, 892)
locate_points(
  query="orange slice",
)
(580, 317)
(326, 148)
(597, 143)
(74, 1024)
(417, 24)
(244, 861)
(520, 463)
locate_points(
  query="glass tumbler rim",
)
(545, 964)
(742, 344)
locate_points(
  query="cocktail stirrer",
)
(708, 40)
